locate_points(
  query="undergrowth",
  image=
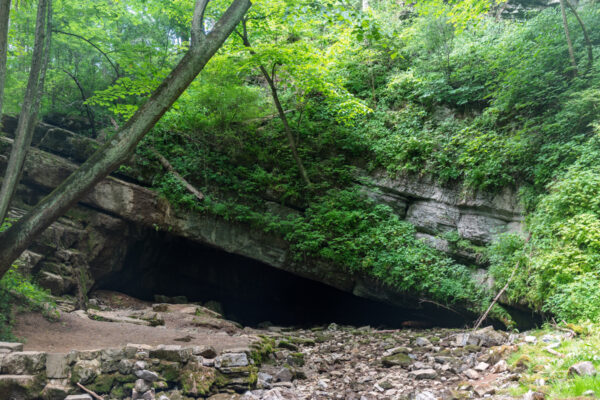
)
(18, 293)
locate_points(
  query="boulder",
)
(171, 353)
(284, 375)
(23, 363)
(85, 371)
(55, 391)
(231, 360)
(424, 373)
(18, 386)
(472, 374)
(204, 351)
(53, 282)
(582, 368)
(398, 359)
(487, 337)
(146, 375)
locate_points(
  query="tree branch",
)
(113, 65)
(588, 42)
(500, 293)
(84, 98)
(167, 165)
(198, 22)
(88, 391)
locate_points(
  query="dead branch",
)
(500, 293)
(550, 349)
(440, 305)
(167, 165)
(88, 391)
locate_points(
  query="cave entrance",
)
(249, 291)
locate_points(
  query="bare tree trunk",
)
(365, 5)
(568, 36)
(88, 109)
(282, 114)
(4, 18)
(120, 147)
(588, 42)
(29, 109)
(286, 125)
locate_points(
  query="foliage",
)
(441, 89)
(15, 289)
(538, 364)
(561, 272)
(353, 232)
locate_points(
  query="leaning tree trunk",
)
(29, 108)
(568, 37)
(282, 114)
(588, 42)
(4, 17)
(119, 148)
(286, 125)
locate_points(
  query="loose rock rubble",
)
(331, 362)
(366, 364)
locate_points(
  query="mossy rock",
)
(261, 350)
(103, 383)
(120, 378)
(322, 337)
(284, 344)
(523, 362)
(296, 359)
(21, 387)
(398, 359)
(471, 348)
(302, 341)
(169, 371)
(197, 380)
(118, 392)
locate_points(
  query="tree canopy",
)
(307, 100)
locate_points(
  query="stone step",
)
(10, 346)
(16, 386)
(79, 397)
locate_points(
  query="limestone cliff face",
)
(95, 235)
(437, 210)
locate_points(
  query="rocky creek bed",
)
(328, 362)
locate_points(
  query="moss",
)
(75, 377)
(322, 337)
(261, 350)
(302, 341)
(170, 371)
(221, 380)
(296, 359)
(523, 362)
(102, 383)
(124, 378)
(197, 380)
(400, 359)
(471, 348)
(253, 377)
(284, 344)
(118, 392)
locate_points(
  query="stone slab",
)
(57, 365)
(11, 346)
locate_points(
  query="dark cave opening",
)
(249, 291)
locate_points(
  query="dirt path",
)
(74, 331)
